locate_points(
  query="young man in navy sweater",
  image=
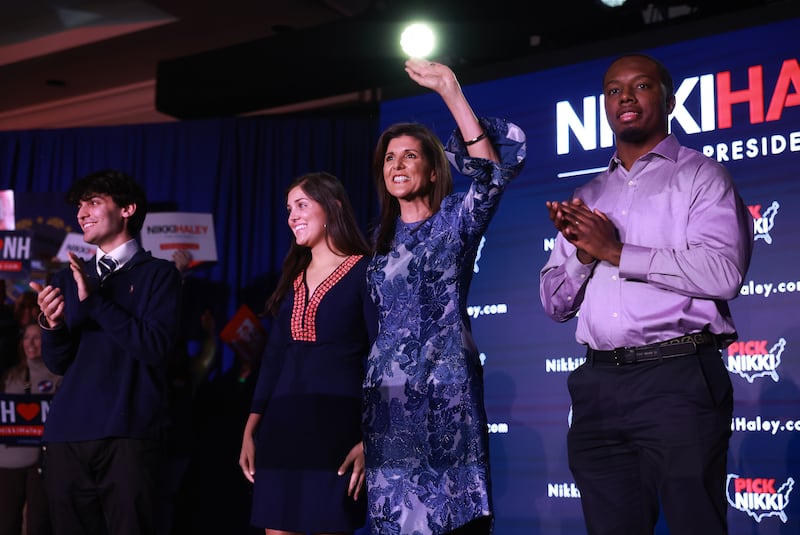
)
(110, 336)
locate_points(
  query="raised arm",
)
(441, 79)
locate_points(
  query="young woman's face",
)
(32, 342)
(307, 218)
(406, 172)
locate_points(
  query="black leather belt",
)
(680, 346)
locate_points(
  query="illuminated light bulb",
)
(417, 40)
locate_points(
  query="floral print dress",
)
(426, 437)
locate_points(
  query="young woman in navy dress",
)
(302, 444)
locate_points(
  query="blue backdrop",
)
(739, 102)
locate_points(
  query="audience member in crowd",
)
(26, 308)
(186, 372)
(214, 497)
(21, 484)
(9, 331)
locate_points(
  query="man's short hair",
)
(122, 189)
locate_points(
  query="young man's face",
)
(104, 224)
(636, 105)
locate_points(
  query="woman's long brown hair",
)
(343, 234)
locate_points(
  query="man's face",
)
(636, 106)
(104, 224)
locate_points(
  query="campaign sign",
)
(15, 253)
(73, 243)
(7, 209)
(165, 232)
(22, 418)
(245, 333)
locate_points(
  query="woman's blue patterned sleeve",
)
(509, 142)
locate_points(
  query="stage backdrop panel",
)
(739, 102)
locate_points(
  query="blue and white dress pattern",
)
(426, 437)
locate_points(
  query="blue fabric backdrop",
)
(237, 169)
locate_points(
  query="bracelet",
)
(475, 139)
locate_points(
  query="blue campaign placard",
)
(22, 418)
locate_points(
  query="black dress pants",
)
(102, 487)
(652, 434)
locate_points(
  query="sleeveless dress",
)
(309, 395)
(425, 436)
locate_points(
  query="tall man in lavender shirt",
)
(649, 253)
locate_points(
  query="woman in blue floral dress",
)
(425, 426)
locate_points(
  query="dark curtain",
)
(235, 168)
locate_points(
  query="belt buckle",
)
(625, 355)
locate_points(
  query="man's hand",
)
(76, 264)
(51, 303)
(591, 231)
(182, 259)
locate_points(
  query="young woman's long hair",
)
(342, 232)
(433, 151)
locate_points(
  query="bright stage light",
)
(612, 3)
(417, 40)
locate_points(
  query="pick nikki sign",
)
(22, 418)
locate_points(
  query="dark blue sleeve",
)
(271, 361)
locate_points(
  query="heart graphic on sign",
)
(28, 410)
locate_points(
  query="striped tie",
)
(107, 265)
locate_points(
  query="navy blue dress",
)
(309, 393)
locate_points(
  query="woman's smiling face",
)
(406, 172)
(307, 218)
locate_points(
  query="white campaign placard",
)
(165, 232)
(73, 243)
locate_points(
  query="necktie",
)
(106, 265)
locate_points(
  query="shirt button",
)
(614, 315)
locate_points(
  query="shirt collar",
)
(667, 148)
(121, 254)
